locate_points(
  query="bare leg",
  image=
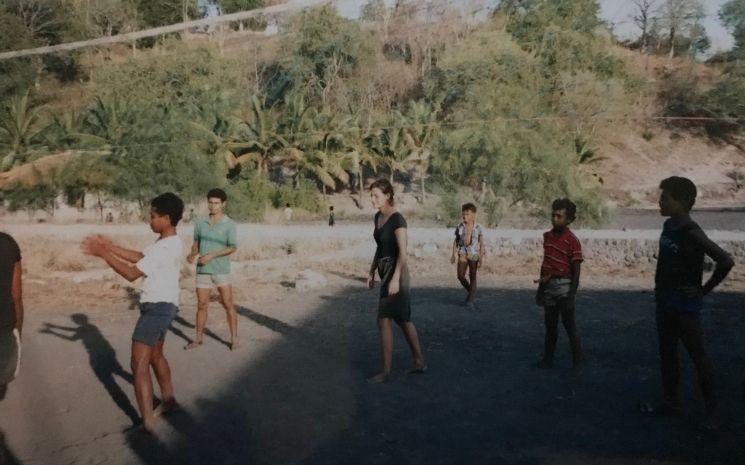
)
(412, 338)
(462, 267)
(386, 350)
(473, 266)
(226, 297)
(163, 375)
(203, 303)
(567, 318)
(552, 326)
(141, 356)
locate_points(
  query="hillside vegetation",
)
(512, 111)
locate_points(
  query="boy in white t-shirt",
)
(160, 264)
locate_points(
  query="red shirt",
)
(559, 252)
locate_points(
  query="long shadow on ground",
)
(306, 400)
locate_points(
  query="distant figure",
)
(469, 246)
(192, 216)
(559, 281)
(332, 220)
(11, 311)
(391, 264)
(109, 217)
(287, 213)
(679, 295)
(214, 241)
(160, 265)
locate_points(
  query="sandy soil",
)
(295, 392)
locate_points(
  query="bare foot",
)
(419, 369)
(192, 345)
(379, 378)
(166, 407)
(149, 425)
(234, 345)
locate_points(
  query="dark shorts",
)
(155, 319)
(10, 356)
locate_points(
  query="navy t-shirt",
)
(385, 235)
(10, 254)
(680, 264)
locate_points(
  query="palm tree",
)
(261, 136)
(420, 127)
(19, 129)
(390, 146)
(315, 144)
(220, 134)
(359, 139)
(66, 132)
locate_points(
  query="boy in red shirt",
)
(557, 289)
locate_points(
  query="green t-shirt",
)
(213, 238)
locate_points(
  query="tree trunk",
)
(421, 178)
(359, 182)
(672, 43)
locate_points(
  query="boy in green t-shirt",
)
(214, 241)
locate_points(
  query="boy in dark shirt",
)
(679, 294)
(11, 311)
(557, 289)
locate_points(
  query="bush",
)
(249, 198)
(303, 195)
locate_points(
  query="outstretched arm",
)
(128, 255)
(54, 331)
(94, 246)
(723, 260)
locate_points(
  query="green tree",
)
(732, 15)
(678, 18)
(87, 173)
(18, 74)
(20, 130)
(420, 122)
(321, 48)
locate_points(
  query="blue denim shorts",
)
(155, 319)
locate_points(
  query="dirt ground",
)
(295, 393)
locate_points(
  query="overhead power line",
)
(130, 37)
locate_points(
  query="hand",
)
(205, 259)
(191, 257)
(93, 245)
(106, 240)
(371, 281)
(452, 259)
(393, 286)
(481, 260)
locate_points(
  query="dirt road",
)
(296, 392)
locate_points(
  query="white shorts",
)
(208, 281)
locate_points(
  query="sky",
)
(617, 12)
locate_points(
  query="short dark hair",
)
(331, 207)
(217, 193)
(468, 207)
(169, 204)
(566, 205)
(681, 189)
(385, 187)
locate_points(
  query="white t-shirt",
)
(161, 265)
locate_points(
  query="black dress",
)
(398, 306)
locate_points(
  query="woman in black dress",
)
(390, 263)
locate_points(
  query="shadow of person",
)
(207, 332)
(273, 324)
(6, 456)
(101, 356)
